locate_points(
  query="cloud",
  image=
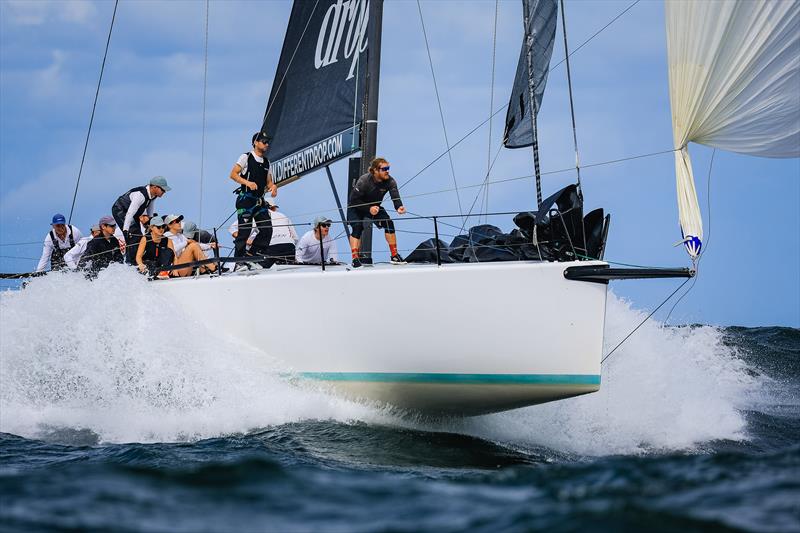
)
(49, 81)
(36, 13)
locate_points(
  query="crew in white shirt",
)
(75, 253)
(282, 245)
(130, 205)
(186, 251)
(57, 242)
(308, 247)
(234, 231)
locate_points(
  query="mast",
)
(370, 128)
(532, 98)
(373, 80)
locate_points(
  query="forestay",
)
(734, 77)
(314, 112)
(542, 30)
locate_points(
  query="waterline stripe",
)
(483, 379)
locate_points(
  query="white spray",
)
(113, 357)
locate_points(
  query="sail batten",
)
(314, 111)
(542, 31)
(734, 77)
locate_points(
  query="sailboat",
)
(733, 79)
(733, 87)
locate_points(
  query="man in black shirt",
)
(252, 172)
(103, 249)
(364, 208)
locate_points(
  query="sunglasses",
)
(385, 169)
(324, 225)
(110, 225)
(161, 226)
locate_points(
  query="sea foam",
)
(114, 358)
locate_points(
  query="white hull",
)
(460, 339)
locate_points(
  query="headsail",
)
(314, 111)
(542, 29)
(734, 74)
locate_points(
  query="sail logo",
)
(308, 159)
(345, 22)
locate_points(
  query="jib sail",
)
(314, 112)
(531, 78)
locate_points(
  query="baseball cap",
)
(261, 136)
(160, 181)
(157, 221)
(96, 227)
(58, 218)
(107, 220)
(169, 219)
(189, 228)
(321, 220)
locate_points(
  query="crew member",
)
(74, 254)
(234, 231)
(103, 249)
(135, 202)
(364, 208)
(251, 171)
(186, 251)
(57, 242)
(155, 252)
(308, 246)
(138, 229)
(282, 246)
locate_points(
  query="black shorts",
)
(361, 218)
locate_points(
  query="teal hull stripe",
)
(476, 379)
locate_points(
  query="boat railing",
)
(440, 251)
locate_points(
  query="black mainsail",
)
(532, 70)
(314, 112)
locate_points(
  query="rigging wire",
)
(91, 118)
(598, 32)
(439, 102)
(203, 141)
(571, 106)
(489, 163)
(645, 320)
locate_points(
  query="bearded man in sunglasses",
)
(364, 208)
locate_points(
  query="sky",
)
(149, 121)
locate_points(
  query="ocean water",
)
(117, 413)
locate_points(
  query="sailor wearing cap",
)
(251, 171)
(74, 254)
(308, 247)
(56, 243)
(103, 249)
(282, 246)
(155, 252)
(137, 201)
(186, 251)
(202, 237)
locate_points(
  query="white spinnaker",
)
(734, 81)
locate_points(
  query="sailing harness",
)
(57, 261)
(252, 202)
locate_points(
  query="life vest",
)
(120, 207)
(257, 173)
(57, 257)
(153, 249)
